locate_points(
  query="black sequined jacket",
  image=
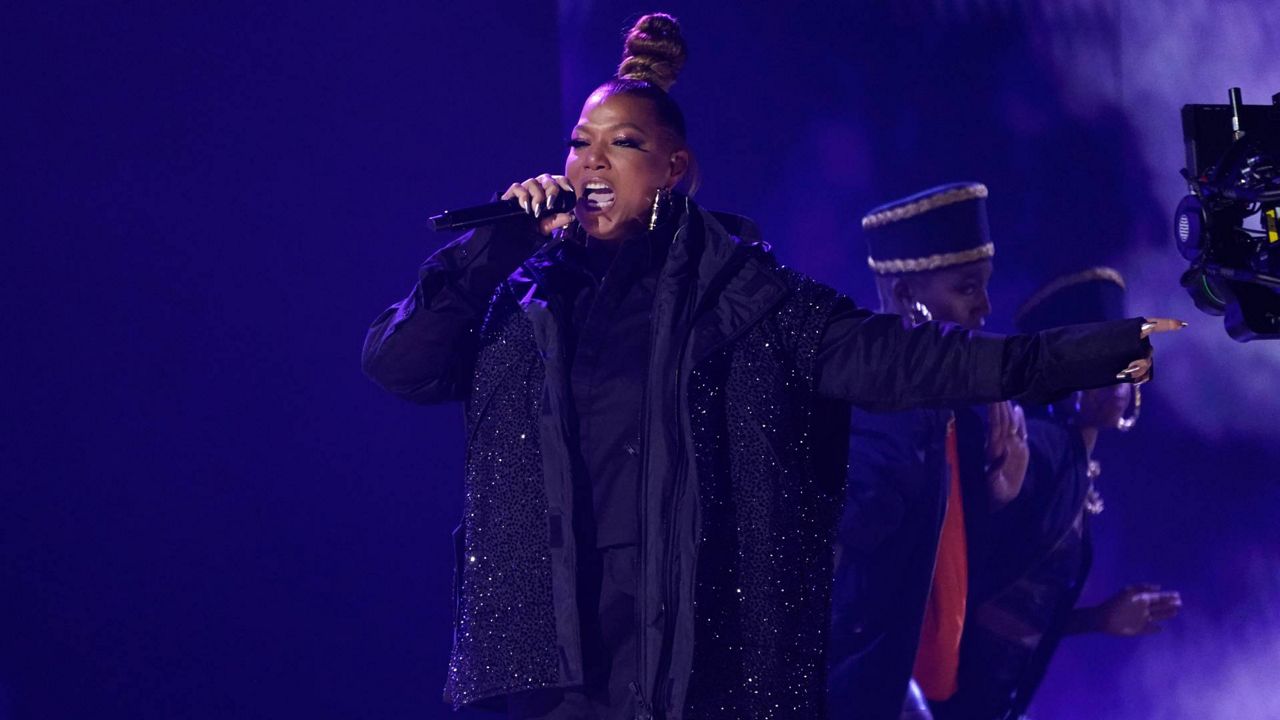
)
(745, 433)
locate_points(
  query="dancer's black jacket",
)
(1029, 589)
(887, 544)
(744, 438)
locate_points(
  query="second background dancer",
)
(1028, 587)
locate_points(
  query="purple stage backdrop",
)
(207, 512)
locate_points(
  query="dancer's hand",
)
(535, 195)
(1139, 371)
(1137, 610)
(1007, 452)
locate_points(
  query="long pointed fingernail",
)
(1183, 323)
(524, 204)
(1128, 373)
(1147, 327)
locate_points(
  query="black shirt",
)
(609, 337)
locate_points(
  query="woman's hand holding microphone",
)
(536, 194)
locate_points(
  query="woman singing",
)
(657, 415)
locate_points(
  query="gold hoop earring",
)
(919, 313)
(1126, 423)
(661, 201)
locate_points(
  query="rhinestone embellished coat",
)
(743, 459)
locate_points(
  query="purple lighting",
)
(206, 511)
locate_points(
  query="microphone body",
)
(477, 215)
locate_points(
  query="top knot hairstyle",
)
(652, 56)
(654, 51)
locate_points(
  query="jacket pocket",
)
(459, 550)
(474, 422)
(758, 427)
(476, 414)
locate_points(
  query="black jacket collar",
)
(720, 257)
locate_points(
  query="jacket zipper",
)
(671, 575)
(671, 569)
(643, 709)
(645, 705)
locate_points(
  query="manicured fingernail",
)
(1183, 323)
(537, 211)
(524, 204)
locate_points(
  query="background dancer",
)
(1029, 585)
(921, 483)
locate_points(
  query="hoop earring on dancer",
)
(1126, 423)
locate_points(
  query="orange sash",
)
(938, 656)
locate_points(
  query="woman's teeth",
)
(598, 196)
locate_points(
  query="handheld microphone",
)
(477, 215)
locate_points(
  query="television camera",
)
(1233, 174)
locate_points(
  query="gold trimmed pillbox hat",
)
(1093, 295)
(937, 228)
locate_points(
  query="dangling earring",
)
(1126, 423)
(661, 201)
(919, 313)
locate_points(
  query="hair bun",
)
(654, 51)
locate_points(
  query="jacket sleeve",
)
(423, 348)
(875, 362)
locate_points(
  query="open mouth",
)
(597, 195)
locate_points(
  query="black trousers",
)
(607, 606)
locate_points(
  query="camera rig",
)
(1233, 174)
